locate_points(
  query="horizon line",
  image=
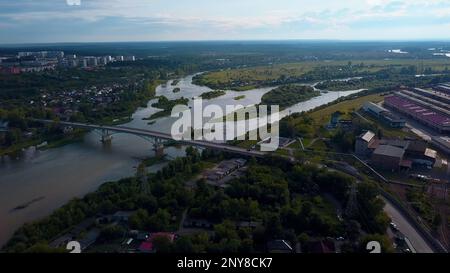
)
(436, 40)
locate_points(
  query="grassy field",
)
(252, 76)
(322, 116)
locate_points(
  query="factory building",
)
(426, 113)
(384, 115)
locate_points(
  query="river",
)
(44, 180)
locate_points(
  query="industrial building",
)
(389, 157)
(443, 88)
(443, 143)
(394, 154)
(384, 115)
(365, 143)
(224, 169)
(433, 94)
(426, 113)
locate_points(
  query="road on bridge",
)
(154, 134)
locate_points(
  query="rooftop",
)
(444, 141)
(417, 110)
(367, 136)
(430, 153)
(388, 150)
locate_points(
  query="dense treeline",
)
(166, 196)
(212, 94)
(388, 79)
(166, 105)
(286, 200)
(288, 95)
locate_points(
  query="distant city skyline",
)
(52, 21)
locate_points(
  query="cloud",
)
(243, 18)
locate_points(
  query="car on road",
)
(393, 226)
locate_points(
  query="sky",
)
(49, 21)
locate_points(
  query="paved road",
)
(419, 243)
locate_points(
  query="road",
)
(417, 241)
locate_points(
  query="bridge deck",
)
(154, 134)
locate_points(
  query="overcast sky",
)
(43, 21)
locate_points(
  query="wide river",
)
(47, 179)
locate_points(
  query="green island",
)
(166, 105)
(239, 97)
(212, 94)
(288, 95)
(176, 90)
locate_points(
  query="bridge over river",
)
(156, 137)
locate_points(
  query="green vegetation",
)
(167, 196)
(384, 79)
(304, 72)
(153, 161)
(288, 95)
(212, 94)
(23, 133)
(311, 126)
(323, 114)
(239, 97)
(166, 105)
(17, 115)
(421, 203)
(176, 90)
(283, 198)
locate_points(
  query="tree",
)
(138, 219)
(303, 238)
(162, 244)
(274, 229)
(44, 248)
(371, 209)
(226, 230)
(159, 221)
(183, 245)
(352, 230)
(110, 233)
(386, 245)
(437, 221)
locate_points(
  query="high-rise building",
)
(130, 58)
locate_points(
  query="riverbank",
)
(118, 117)
(78, 169)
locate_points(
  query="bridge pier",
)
(106, 136)
(158, 147)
